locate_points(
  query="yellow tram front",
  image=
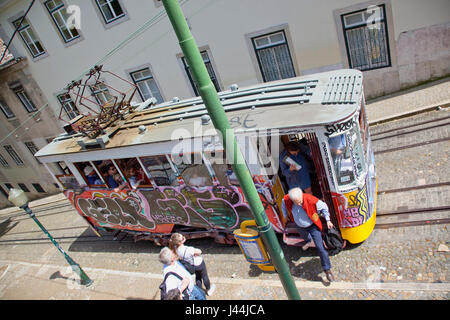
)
(352, 178)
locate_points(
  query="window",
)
(9, 186)
(23, 97)
(14, 155)
(193, 170)
(273, 56)
(29, 38)
(342, 160)
(347, 156)
(364, 127)
(210, 69)
(101, 93)
(32, 147)
(68, 105)
(223, 171)
(160, 170)
(366, 38)
(60, 17)
(146, 85)
(92, 175)
(133, 173)
(3, 162)
(6, 110)
(111, 10)
(38, 187)
(23, 187)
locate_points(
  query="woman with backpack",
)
(177, 277)
(192, 256)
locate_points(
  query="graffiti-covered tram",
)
(163, 168)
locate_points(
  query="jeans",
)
(313, 232)
(197, 294)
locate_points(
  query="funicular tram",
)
(161, 168)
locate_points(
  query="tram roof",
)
(316, 100)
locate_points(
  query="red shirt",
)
(309, 205)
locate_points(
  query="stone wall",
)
(419, 55)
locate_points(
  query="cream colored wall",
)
(215, 23)
(415, 14)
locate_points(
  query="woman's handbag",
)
(189, 267)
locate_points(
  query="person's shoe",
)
(329, 275)
(308, 245)
(211, 290)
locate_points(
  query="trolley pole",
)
(216, 112)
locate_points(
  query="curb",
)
(444, 104)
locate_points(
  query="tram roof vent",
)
(342, 89)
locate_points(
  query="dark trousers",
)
(313, 232)
(202, 275)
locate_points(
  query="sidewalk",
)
(27, 280)
(421, 98)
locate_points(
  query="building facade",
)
(396, 43)
(20, 97)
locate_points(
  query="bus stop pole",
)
(216, 112)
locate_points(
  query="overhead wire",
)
(147, 25)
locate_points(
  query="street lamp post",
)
(220, 121)
(19, 199)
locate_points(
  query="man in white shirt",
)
(187, 281)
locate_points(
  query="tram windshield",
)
(341, 147)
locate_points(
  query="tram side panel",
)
(158, 210)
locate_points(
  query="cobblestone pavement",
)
(399, 263)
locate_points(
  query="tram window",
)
(134, 173)
(193, 171)
(90, 176)
(355, 138)
(67, 180)
(364, 127)
(63, 167)
(110, 174)
(223, 170)
(340, 153)
(160, 170)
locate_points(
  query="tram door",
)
(321, 177)
(319, 182)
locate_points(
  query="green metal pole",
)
(85, 280)
(220, 121)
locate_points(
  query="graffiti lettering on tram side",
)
(124, 210)
(353, 208)
(152, 210)
(339, 127)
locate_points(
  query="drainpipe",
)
(216, 112)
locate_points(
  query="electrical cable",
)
(15, 31)
(155, 19)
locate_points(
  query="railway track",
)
(409, 214)
(414, 128)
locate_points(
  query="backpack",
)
(333, 241)
(162, 287)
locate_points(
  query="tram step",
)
(293, 240)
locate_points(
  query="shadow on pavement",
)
(6, 226)
(89, 242)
